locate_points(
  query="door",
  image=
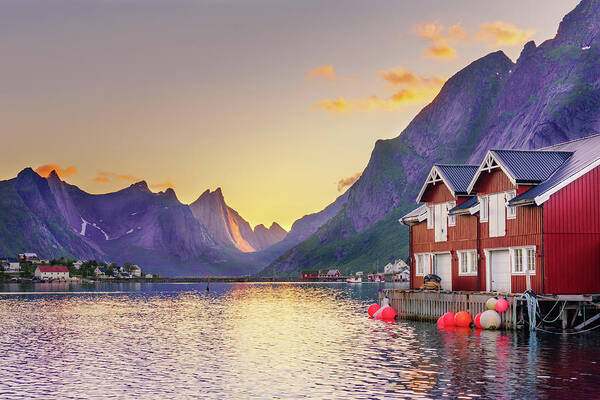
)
(500, 274)
(441, 223)
(442, 267)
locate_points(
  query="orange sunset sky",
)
(279, 103)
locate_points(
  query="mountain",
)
(53, 218)
(550, 95)
(229, 228)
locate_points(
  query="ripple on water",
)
(268, 341)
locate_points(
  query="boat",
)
(354, 279)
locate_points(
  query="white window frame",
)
(451, 218)
(511, 211)
(472, 271)
(430, 217)
(426, 270)
(484, 208)
(525, 260)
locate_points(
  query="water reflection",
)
(162, 341)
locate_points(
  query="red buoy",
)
(448, 319)
(501, 305)
(477, 322)
(440, 323)
(462, 319)
(388, 314)
(373, 308)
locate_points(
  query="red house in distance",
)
(526, 219)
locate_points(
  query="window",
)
(531, 260)
(451, 218)
(430, 217)
(518, 260)
(511, 212)
(467, 262)
(483, 208)
(523, 260)
(423, 266)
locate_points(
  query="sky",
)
(277, 102)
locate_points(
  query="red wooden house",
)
(527, 220)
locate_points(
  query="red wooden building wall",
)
(460, 237)
(572, 237)
(524, 230)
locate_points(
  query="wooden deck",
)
(428, 305)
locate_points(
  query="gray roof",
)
(458, 176)
(531, 166)
(464, 206)
(585, 152)
(414, 214)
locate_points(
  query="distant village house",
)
(51, 272)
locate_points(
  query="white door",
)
(441, 223)
(442, 267)
(500, 271)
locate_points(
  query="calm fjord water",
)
(247, 341)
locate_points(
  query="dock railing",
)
(429, 305)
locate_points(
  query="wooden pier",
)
(430, 305)
(562, 311)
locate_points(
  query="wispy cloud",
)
(347, 182)
(409, 88)
(108, 176)
(441, 39)
(500, 33)
(45, 170)
(161, 186)
(324, 72)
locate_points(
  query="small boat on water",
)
(354, 279)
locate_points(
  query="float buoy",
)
(462, 319)
(448, 319)
(501, 305)
(440, 323)
(490, 319)
(388, 314)
(490, 304)
(477, 322)
(373, 308)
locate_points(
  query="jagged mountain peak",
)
(580, 27)
(54, 176)
(141, 185)
(27, 172)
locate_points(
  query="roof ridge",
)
(533, 151)
(569, 141)
(457, 165)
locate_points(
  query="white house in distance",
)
(13, 267)
(52, 272)
(395, 268)
(135, 271)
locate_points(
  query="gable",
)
(437, 193)
(493, 181)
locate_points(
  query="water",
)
(247, 341)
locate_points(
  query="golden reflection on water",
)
(247, 341)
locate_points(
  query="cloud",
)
(347, 182)
(441, 39)
(502, 33)
(45, 170)
(409, 88)
(325, 72)
(161, 186)
(108, 176)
